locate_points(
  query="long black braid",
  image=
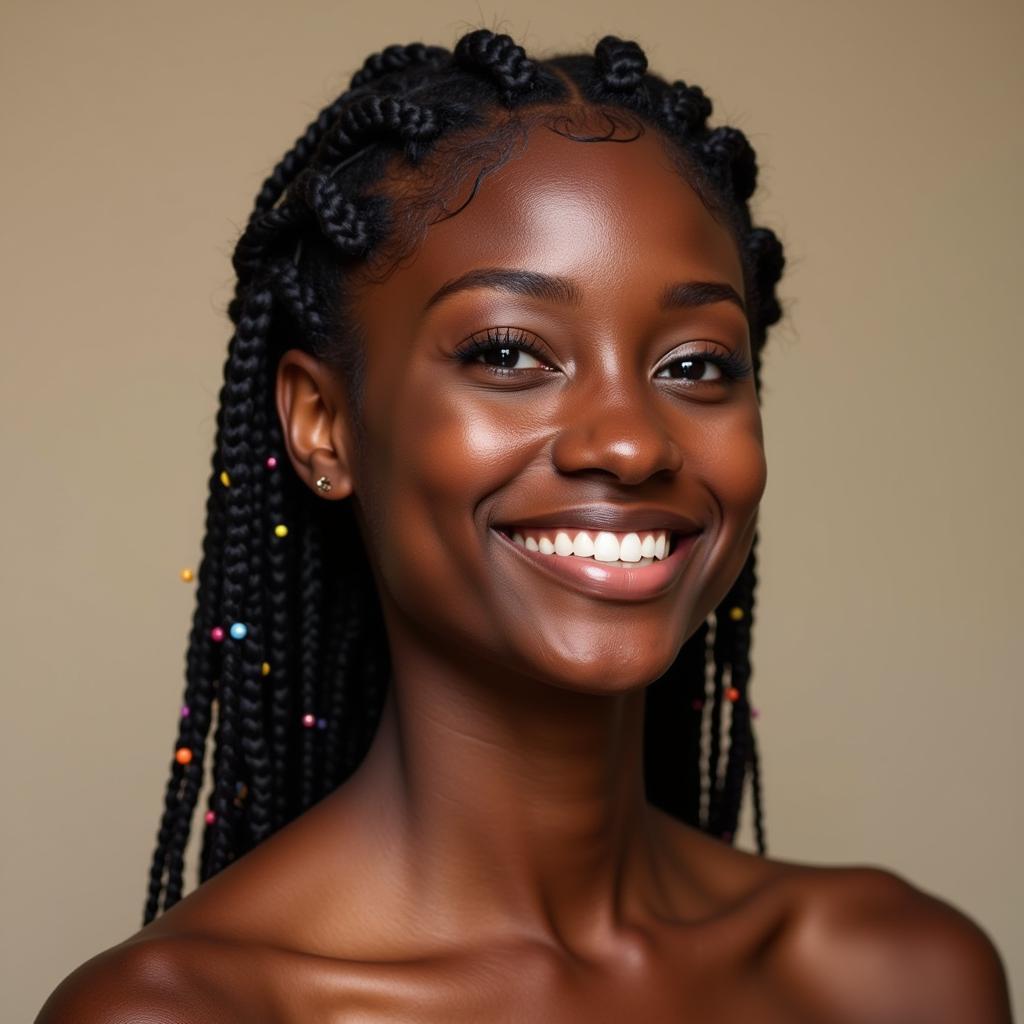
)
(287, 659)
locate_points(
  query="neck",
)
(509, 801)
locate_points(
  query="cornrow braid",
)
(397, 58)
(502, 60)
(686, 109)
(287, 622)
(622, 70)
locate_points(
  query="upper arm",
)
(884, 952)
(139, 983)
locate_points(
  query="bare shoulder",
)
(869, 946)
(160, 980)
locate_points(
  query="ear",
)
(313, 408)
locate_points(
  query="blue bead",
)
(239, 630)
(321, 723)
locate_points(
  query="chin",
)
(608, 674)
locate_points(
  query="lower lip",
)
(613, 582)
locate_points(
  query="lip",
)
(610, 582)
(615, 518)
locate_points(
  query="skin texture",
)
(494, 858)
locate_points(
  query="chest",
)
(526, 988)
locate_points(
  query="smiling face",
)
(567, 355)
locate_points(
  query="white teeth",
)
(563, 545)
(582, 545)
(606, 547)
(629, 548)
(601, 546)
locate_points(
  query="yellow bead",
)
(224, 478)
(187, 575)
(280, 530)
(265, 668)
(735, 614)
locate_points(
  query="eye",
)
(508, 357)
(506, 351)
(706, 366)
(695, 368)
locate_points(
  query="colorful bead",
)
(697, 704)
(209, 817)
(308, 721)
(735, 614)
(216, 634)
(185, 711)
(265, 668)
(271, 462)
(187, 575)
(754, 712)
(321, 723)
(239, 630)
(224, 478)
(732, 694)
(280, 530)
(727, 836)
(241, 790)
(183, 755)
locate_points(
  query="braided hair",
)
(291, 721)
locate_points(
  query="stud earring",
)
(323, 485)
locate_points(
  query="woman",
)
(483, 506)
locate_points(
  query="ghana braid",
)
(292, 719)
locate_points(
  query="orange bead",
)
(183, 755)
(732, 693)
(187, 575)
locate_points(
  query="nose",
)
(617, 430)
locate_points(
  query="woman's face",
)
(601, 289)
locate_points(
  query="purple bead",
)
(185, 711)
(321, 723)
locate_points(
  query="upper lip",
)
(614, 518)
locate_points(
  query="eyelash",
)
(496, 338)
(734, 366)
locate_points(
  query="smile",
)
(600, 545)
(601, 563)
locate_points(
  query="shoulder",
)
(160, 980)
(866, 945)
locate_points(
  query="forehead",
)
(607, 214)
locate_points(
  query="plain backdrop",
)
(887, 645)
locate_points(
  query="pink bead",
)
(216, 634)
(185, 711)
(308, 721)
(271, 462)
(209, 817)
(754, 712)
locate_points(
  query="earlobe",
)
(312, 408)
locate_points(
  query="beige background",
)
(888, 647)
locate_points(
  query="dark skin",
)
(494, 858)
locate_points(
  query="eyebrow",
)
(518, 282)
(551, 288)
(700, 293)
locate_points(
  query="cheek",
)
(732, 462)
(438, 456)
